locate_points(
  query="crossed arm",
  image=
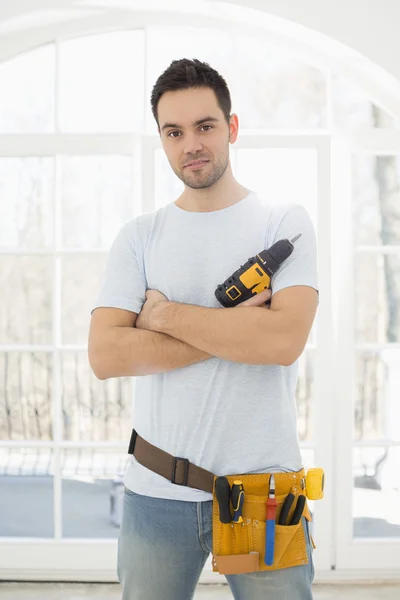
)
(246, 334)
(178, 335)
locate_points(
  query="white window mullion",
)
(386, 443)
(57, 86)
(64, 444)
(57, 409)
(57, 282)
(324, 378)
(369, 347)
(378, 249)
(69, 144)
(376, 142)
(146, 54)
(344, 371)
(137, 209)
(56, 396)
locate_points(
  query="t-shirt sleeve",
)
(301, 268)
(123, 285)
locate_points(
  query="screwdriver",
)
(270, 525)
(237, 500)
(223, 494)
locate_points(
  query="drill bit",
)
(295, 238)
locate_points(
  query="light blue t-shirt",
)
(226, 417)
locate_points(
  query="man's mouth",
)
(196, 163)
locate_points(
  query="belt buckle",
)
(186, 472)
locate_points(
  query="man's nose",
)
(193, 145)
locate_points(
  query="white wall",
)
(370, 27)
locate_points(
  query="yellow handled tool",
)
(255, 275)
(237, 498)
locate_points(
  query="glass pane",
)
(266, 171)
(96, 199)
(94, 410)
(376, 495)
(80, 287)
(26, 299)
(26, 202)
(92, 492)
(102, 82)
(167, 186)
(353, 108)
(272, 89)
(376, 200)
(27, 92)
(26, 492)
(377, 297)
(305, 396)
(377, 393)
(26, 395)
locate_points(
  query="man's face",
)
(185, 139)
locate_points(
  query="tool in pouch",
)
(260, 542)
(237, 501)
(255, 275)
(239, 546)
(270, 525)
(298, 511)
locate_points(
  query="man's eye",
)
(169, 135)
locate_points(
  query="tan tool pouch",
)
(240, 547)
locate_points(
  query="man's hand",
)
(154, 298)
(145, 318)
(258, 299)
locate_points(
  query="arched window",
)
(80, 156)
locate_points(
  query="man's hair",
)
(184, 74)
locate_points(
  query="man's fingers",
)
(258, 299)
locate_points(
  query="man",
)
(214, 385)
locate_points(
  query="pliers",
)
(298, 511)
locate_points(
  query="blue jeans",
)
(164, 544)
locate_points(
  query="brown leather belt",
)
(174, 468)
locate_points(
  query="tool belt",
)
(240, 547)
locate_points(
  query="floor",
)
(77, 591)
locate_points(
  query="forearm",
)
(250, 335)
(127, 351)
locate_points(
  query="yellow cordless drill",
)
(255, 275)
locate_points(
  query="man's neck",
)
(211, 203)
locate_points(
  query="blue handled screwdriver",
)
(270, 524)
